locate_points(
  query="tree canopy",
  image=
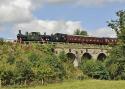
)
(119, 26)
(80, 32)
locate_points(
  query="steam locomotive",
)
(59, 37)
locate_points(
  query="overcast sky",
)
(53, 16)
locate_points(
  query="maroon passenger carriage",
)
(91, 40)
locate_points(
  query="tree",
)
(119, 26)
(1, 41)
(84, 33)
(80, 32)
(116, 62)
(77, 32)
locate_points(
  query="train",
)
(65, 38)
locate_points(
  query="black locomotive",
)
(59, 37)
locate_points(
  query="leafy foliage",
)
(119, 26)
(116, 61)
(23, 64)
(95, 69)
(79, 32)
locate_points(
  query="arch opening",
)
(71, 57)
(101, 57)
(53, 50)
(86, 56)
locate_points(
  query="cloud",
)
(18, 11)
(99, 2)
(68, 27)
(15, 11)
(49, 27)
(1, 28)
(83, 2)
(103, 32)
(21, 12)
(59, 1)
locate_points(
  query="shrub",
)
(94, 69)
(116, 63)
(24, 64)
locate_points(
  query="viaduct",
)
(79, 52)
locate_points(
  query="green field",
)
(85, 84)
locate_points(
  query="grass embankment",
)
(85, 84)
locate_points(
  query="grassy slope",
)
(86, 84)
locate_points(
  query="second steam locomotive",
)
(59, 37)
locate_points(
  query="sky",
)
(52, 16)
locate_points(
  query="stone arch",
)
(101, 57)
(71, 56)
(86, 56)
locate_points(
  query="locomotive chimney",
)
(44, 33)
(19, 31)
(27, 33)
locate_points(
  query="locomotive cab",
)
(33, 36)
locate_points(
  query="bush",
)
(70, 72)
(24, 64)
(96, 70)
(116, 63)
(116, 68)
